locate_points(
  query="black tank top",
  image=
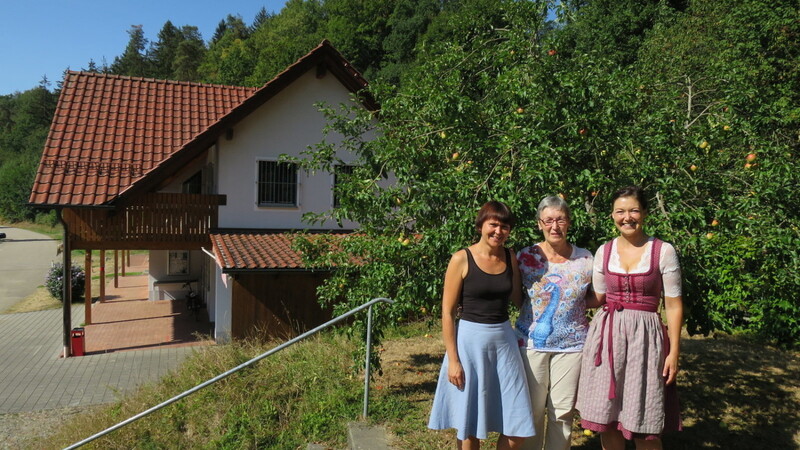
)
(484, 296)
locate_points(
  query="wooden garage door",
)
(276, 304)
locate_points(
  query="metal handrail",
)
(253, 361)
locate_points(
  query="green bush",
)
(55, 281)
(48, 219)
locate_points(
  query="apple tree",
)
(496, 115)
(510, 109)
(717, 124)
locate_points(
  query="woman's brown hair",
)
(494, 210)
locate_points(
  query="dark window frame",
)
(277, 184)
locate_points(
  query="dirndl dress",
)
(495, 396)
(621, 385)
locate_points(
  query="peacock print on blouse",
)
(550, 318)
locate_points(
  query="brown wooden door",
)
(276, 305)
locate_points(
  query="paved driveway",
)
(25, 257)
(33, 376)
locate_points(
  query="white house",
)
(191, 172)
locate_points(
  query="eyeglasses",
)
(549, 222)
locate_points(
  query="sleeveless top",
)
(485, 296)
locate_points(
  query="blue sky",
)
(45, 37)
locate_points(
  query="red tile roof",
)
(109, 130)
(257, 251)
(113, 135)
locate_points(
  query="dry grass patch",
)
(40, 300)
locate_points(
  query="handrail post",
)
(367, 363)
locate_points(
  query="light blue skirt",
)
(495, 396)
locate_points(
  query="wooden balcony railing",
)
(155, 221)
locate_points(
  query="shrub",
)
(55, 281)
(48, 219)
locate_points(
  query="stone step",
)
(361, 436)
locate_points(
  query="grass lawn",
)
(735, 394)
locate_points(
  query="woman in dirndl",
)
(482, 386)
(630, 360)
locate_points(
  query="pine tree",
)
(219, 32)
(133, 61)
(92, 67)
(162, 52)
(189, 54)
(261, 17)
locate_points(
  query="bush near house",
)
(55, 281)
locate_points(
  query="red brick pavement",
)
(127, 320)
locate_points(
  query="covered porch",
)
(127, 320)
(154, 221)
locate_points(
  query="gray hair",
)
(554, 202)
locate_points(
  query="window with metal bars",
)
(277, 183)
(338, 171)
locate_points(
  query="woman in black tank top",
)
(482, 385)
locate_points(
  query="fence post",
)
(367, 364)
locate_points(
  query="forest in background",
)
(697, 100)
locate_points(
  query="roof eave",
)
(234, 270)
(49, 206)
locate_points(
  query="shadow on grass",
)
(734, 395)
(413, 387)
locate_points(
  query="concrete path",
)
(34, 377)
(25, 257)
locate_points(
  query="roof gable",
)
(115, 136)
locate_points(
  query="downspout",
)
(67, 286)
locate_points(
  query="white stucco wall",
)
(222, 310)
(287, 124)
(212, 279)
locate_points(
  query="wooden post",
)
(102, 276)
(67, 288)
(87, 292)
(116, 268)
(129, 258)
(122, 262)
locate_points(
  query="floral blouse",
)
(553, 316)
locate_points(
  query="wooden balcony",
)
(156, 221)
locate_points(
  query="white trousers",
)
(553, 382)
